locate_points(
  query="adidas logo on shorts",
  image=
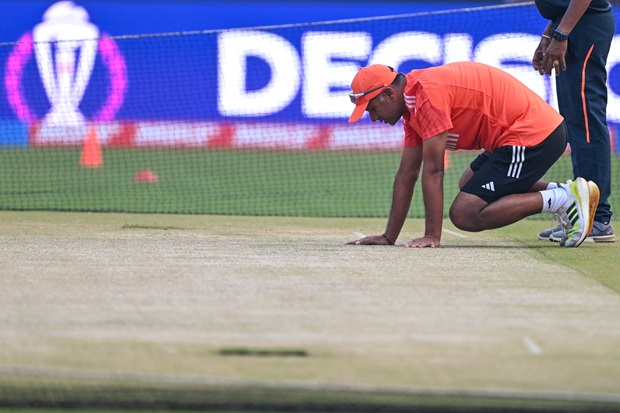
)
(490, 186)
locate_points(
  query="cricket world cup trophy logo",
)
(65, 46)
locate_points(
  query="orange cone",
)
(146, 175)
(91, 156)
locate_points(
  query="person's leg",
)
(477, 163)
(471, 213)
(498, 192)
(582, 97)
(574, 204)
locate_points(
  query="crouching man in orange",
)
(470, 105)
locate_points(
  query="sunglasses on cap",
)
(355, 96)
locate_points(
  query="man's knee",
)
(461, 220)
(456, 218)
(465, 212)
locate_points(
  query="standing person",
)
(576, 43)
(469, 105)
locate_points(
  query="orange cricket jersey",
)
(480, 106)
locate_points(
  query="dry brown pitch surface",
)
(158, 299)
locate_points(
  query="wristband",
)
(546, 37)
(558, 35)
(388, 240)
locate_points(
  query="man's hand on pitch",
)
(427, 241)
(370, 240)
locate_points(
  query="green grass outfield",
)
(246, 182)
(245, 314)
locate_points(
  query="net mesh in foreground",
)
(249, 122)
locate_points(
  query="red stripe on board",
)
(125, 137)
(224, 138)
(321, 139)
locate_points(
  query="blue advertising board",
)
(130, 17)
(123, 62)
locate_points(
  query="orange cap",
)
(369, 78)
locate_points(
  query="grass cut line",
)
(262, 352)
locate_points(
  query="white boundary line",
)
(532, 346)
(456, 234)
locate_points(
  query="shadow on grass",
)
(81, 398)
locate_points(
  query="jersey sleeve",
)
(433, 111)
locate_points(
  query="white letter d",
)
(233, 49)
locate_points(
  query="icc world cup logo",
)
(65, 46)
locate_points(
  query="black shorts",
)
(514, 169)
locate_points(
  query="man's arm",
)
(404, 182)
(575, 11)
(432, 189)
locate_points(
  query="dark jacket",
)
(555, 9)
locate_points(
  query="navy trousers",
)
(582, 100)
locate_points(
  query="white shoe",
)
(576, 219)
(554, 234)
